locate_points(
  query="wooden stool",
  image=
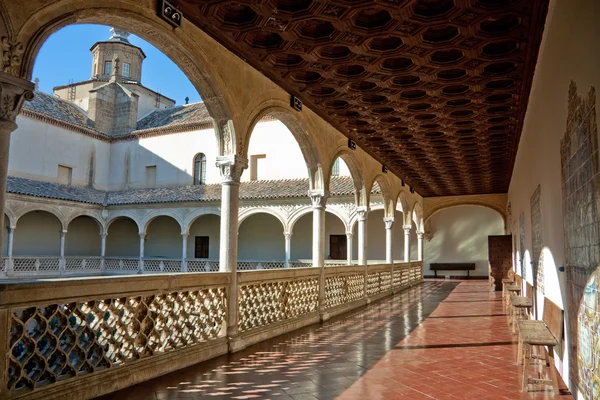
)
(521, 307)
(536, 334)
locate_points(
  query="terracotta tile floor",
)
(441, 340)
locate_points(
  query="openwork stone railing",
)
(59, 332)
(266, 298)
(82, 337)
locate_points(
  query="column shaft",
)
(419, 246)
(184, 241)
(142, 242)
(407, 243)
(9, 250)
(349, 249)
(389, 240)
(288, 249)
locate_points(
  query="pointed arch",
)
(388, 202)
(300, 132)
(360, 192)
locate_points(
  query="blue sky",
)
(66, 57)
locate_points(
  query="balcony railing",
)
(80, 338)
(47, 266)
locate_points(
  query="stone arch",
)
(417, 216)
(402, 201)
(182, 46)
(195, 214)
(86, 213)
(306, 210)
(494, 207)
(55, 211)
(388, 201)
(360, 191)
(246, 213)
(155, 214)
(300, 132)
(123, 214)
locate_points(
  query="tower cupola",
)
(130, 57)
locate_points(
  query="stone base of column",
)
(236, 343)
(324, 316)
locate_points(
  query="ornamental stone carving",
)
(231, 168)
(318, 198)
(11, 56)
(13, 93)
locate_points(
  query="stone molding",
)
(13, 93)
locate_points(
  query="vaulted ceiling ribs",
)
(434, 89)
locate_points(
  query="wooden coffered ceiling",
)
(436, 90)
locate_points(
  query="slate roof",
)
(177, 116)
(274, 189)
(58, 108)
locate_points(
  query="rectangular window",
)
(335, 170)
(107, 67)
(254, 165)
(126, 70)
(337, 247)
(151, 176)
(201, 247)
(65, 175)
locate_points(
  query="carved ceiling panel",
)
(434, 89)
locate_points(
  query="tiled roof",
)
(274, 189)
(51, 190)
(182, 115)
(58, 108)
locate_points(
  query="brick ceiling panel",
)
(434, 89)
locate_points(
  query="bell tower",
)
(131, 57)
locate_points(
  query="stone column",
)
(13, 93)
(362, 234)
(142, 242)
(288, 248)
(102, 250)
(62, 264)
(419, 246)
(319, 200)
(184, 241)
(9, 250)
(349, 249)
(406, 242)
(389, 240)
(231, 170)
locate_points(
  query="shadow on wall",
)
(460, 234)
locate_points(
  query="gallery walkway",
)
(440, 340)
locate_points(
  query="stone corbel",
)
(226, 134)
(362, 213)
(318, 198)
(231, 167)
(389, 222)
(13, 93)
(12, 51)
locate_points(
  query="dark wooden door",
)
(337, 247)
(201, 247)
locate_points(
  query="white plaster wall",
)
(172, 154)
(284, 158)
(37, 234)
(376, 236)
(123, 239)
(83, 237)
(206, 225)
(163, 239)
(460, 234)
(37, 148)
(302, 237)
(261, 238)
(147, 100)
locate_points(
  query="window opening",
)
(200, 169)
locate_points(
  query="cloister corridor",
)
(418, 344)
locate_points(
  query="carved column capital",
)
(407, 229)
(13, 93)
(389, 222)
(349, 235)
(362, 213)
(318, 198)
(231, 167)
(420, 235)
(287, 235)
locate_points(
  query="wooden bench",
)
(541, 334)
(452, 267)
